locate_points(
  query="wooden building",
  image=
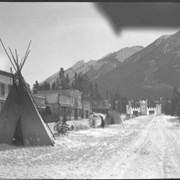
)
(5, 84)
(66, 103)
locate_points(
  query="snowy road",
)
(143, 147)
(154, 153)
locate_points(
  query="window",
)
(2, 85)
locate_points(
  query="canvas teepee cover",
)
(113, 117)
(20, 121)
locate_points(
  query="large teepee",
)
(20, 121)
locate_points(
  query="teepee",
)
(20, 121)
(113, 117)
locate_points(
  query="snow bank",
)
(79, 124)
(171, 121)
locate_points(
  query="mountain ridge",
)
(92, 67)
(137, 72)
(149, 72)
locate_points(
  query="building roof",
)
(38, 96)
(4, 73)
(68, 92)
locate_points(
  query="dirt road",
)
(143, 147)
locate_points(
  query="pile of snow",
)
(77, 124)
(135, 120)
(170, 121)
(102, 132)
(123, 117)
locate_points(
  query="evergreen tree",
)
(35, 87)
(54, 87)
(112, 101)
(75, 81)
(167, 107)
(85, 87)
(174, 100)
(118, 102)
(80, 82)
(57, 84)
(96, 90)
(124, 102)
(46, 85)
(177, 111)
(67, 81)
(61, 73)
(91, 88)
(61, 82)
(97, 97)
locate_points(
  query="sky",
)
(62, 34)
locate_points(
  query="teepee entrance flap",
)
(18, 135)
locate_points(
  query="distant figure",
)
(107, 115)
(93, 122)
(64, 120)
(72, 127)
(64, 124)
(102, 121)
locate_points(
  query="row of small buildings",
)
(52, 104)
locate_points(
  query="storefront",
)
(66, 106)
(64, 103)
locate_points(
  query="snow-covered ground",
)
(143, 147)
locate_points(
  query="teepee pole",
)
(21, 62)
(26, 55)
(7, 54)
(25, 58)
(27, 51)
(14, 59)
(28, 47)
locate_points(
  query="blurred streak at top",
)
(141, 14)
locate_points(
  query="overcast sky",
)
(62, 34)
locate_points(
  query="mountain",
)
(151, 72)
(97, 68)
(136, 72)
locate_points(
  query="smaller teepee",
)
(20, 121)
(113, 117)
